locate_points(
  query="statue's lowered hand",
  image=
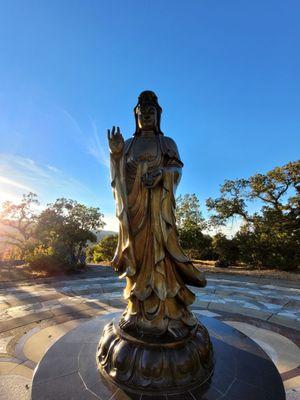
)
(152, 179)
(115, 140)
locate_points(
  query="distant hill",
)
(104, 233)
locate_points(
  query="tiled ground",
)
(34, 315)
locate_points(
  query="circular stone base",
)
(242, 369)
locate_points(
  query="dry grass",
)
(208, 266)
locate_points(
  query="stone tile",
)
(120, 395)
(260, 314)
(56, 364)
(283, 352)
(200, 303)
(17, 322)
(293, 304)
(26, 310)
(211, 393)
(62, 388)
(117, 303)
(283, 320)
(4, 341)
(88, 369)
(243, 390)
(38, 343)
(4, 305)
(293, 383)
(293, 394)
(14, 387)
(207, 313)
(105, 390)
(10, 368)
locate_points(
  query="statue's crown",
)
(147, 97)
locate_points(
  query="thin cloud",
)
(91, 140)
(19, 174)
(53, 169)
(96, 147)
(72, 120)
(10, 182)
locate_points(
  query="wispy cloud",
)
(53, 169)
(72, 120)
(91, 140)
(19, 175)
(15, 184)
(96, 147)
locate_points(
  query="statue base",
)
(153, 364)
(242, 370)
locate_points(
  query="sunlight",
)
(10, 182)
(9, 195)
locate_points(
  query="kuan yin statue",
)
(145, 172)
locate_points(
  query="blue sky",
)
(227, 74)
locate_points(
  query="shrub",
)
(226, 249)
(105, 249)
(45, 262)
(195, 244)
(40, 258)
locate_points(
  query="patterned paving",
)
(34, 315)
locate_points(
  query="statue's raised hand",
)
(115, 140)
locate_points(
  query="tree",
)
(67, 226)
(196, 245)
(19, 222)
(188, 213)
(226, 249)
(271, 236)
(105, 249)
(190, 224)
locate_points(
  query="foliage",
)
(195, 244)
(90, 252)
(40, 258)
(67, 226)
(270, 237)
(19, 222)
(190, 223)
(105, 249)
(226, 249)
(188, 213)
(55, 238)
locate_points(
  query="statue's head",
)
(147, 113)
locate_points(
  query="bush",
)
(226, 249)
(268, 249)
(195, 244)
(105, 249)
(45, 259)
(45, 262)
(90, 253)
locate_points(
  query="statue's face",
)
(147, 118)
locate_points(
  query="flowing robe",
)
(148, 253)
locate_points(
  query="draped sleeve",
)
(190, 274)
(124, 259)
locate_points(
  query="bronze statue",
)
(145, 171)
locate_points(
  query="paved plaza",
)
(34, 314)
